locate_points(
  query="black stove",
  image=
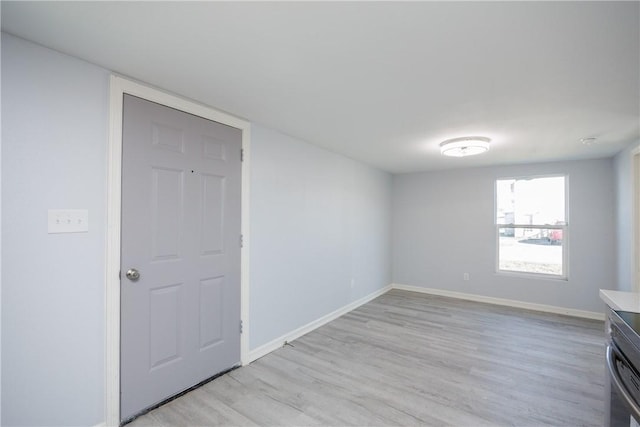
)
(623, 362)
(625, 333)
(631, 319)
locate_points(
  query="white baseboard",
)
(297, 333)
(305, 329)
(503, 301)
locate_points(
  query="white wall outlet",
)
(68, 221)
(353, 283)
(465, 276)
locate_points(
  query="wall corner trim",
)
(502, 301)
(275, 344)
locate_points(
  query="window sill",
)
(535, 276)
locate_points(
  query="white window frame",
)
(564, 227)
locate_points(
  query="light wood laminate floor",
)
(414, 359)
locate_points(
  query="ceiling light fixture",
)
(465, 146)
(589, 141)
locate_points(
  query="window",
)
(531, 225)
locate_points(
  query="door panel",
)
(166, 212)
(212, 216)
(164, 325)
(181, 230)
(211, 319)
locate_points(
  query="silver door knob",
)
(133, 274)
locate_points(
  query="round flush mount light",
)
(465, 146)
(589, 141)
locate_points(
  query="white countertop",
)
(620, 300)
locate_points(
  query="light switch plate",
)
(68, 221)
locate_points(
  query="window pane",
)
(530, 250)
(530, 201)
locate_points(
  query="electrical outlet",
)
(465, 276)
(68, 221)
(353, 283)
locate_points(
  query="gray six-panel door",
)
(181, 186)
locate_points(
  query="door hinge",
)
(241, 241)
(242, 154)
(241, 326)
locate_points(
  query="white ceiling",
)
(381, 82)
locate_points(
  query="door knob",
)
(133, 274)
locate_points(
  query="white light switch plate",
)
(68, 221)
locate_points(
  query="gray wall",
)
(318, 219)
(54, 139)
(623, 165)
(443, 226)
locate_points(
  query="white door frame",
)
(635, 199)
(118, 87)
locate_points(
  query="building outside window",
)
(531, 225)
